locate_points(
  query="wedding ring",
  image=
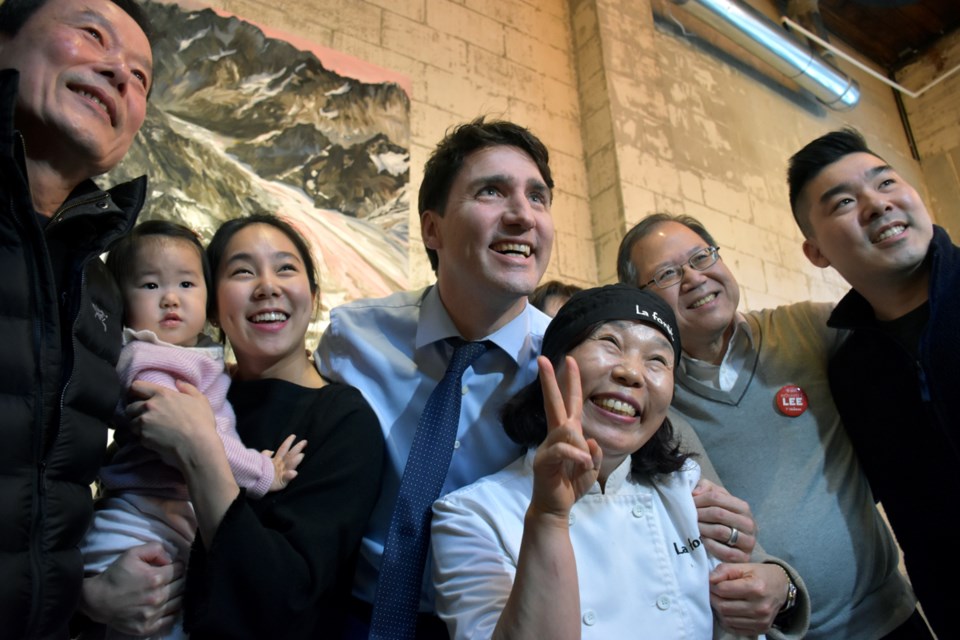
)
(734, 536)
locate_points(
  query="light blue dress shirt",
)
(394, 351)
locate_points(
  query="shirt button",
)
(663, 603)
(463, 391)
(103, 204)
(456, 444)
(589, 618)
(637, 511)
(571, 519)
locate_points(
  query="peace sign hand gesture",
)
(566, 464)
(545, 599)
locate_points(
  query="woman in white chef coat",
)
(592, 534)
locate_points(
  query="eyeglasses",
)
(672, 274)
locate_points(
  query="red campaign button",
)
(791, 400)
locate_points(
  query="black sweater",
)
(282, 566)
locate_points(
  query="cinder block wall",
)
(935, 120)
(507, 58)
(700, 126)
(639, 115)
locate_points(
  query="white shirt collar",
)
(436, 325)
(724, 375)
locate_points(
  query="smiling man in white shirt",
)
(486, 225)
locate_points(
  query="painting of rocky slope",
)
(239, 122)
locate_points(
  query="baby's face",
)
(166, 292)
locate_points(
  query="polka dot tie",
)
(405, 552)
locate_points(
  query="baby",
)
(164, 278)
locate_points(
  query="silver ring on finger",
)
(734, 536)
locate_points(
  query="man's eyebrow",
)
(682, 262)
(497, 178)
(101, 20)
(869, 174)
(538, 184)
(506, 179)
(92, 15)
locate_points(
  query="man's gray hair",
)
(626, 270)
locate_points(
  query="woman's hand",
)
(176, 423)
(545, 599)
(566, 464)
(718, 514)
(180, 426)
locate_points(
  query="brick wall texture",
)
(643, 108)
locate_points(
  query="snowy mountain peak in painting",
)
(239, 123)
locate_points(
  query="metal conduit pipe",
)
(765, 39)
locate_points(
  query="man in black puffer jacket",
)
(73, 90)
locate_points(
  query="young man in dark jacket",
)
(895, 379)
(73, 90)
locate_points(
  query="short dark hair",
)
(15, 13)
(525, 422)
(806, 164)
(447, 159)
(218, 247)
(122, 259)
(550, 289)
(626, 270)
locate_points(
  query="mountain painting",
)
(239, 122)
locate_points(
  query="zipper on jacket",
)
(58, 216)
(67, 362)
(36, 521)
(73, 316)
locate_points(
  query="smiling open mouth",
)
(96, 100)
(512, 248)
(889, 233)
(710, 297)
(269, 316)
(615, 406)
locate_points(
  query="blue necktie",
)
(405, 552)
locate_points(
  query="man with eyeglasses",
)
(754, 388)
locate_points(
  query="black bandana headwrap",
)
(604, 304)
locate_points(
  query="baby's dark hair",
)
(123, 256)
